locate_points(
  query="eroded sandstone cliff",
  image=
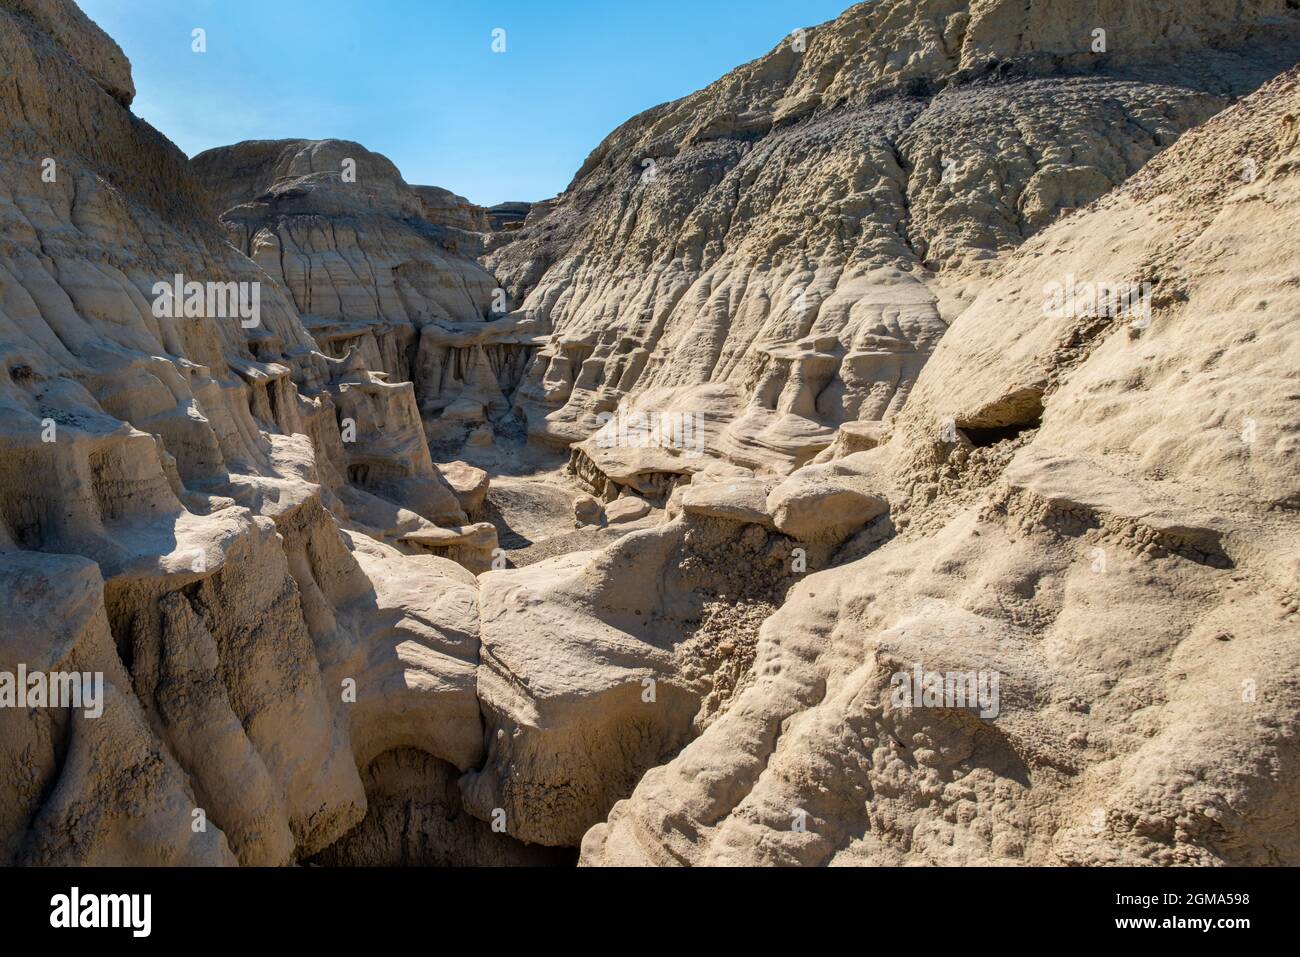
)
(380, 269)
(781, 251)
(208, 510)
(1111, 528)
(839, 255)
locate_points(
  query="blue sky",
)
(417, 80)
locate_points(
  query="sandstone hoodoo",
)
(888, 454)
(380, 272)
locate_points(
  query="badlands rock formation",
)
(1123, 552)
(378, 269)
(835, 263)
(779, 251)
(508, 216)
(226, 521)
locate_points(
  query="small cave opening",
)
(982, 438)
(1017, 412)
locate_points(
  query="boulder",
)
(626, 509)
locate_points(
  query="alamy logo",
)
(1112, 300)
(947, 689)
(642, 430)
(72, 910)
(208, 300)
(55, 689)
